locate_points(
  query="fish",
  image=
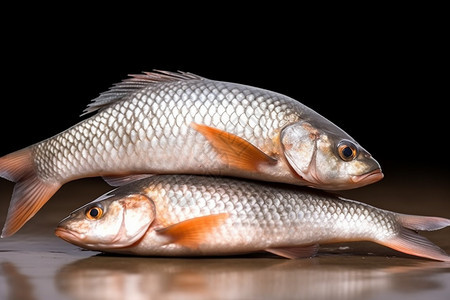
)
(196, 215)
(164, 122)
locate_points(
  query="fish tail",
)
(30, 193)
(422, 223)
(409, 241)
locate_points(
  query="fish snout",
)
(66, 235)
(371, 166)
(368, 178)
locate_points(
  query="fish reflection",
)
(240, 278)
(19, 286)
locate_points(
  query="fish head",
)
(111, 221)
(328, 158)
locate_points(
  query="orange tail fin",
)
(30, 193)
(410, 242)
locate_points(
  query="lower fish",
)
(183, 215)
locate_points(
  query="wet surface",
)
(35, 264)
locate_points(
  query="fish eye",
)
(94, 213)
(347, 150)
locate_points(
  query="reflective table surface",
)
(35, 264)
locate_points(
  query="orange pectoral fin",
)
(191, 233)
(234, 151)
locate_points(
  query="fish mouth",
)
(66, 235)
(368, 178)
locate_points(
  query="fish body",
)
(181, 123)
(183, 215)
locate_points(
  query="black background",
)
(382, 77)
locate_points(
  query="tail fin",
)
(410, 242)
(30, 193)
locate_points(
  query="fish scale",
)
(183, 215)
(181, 123)
(181, 202)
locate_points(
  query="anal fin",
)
(234, 150)
(295, 252)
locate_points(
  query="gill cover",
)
(138, 214)
(299, 146)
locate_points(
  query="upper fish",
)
(184, 215)
(175, 122)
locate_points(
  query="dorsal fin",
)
(133, 84)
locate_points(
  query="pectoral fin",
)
(234, 150)
(191, 233)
